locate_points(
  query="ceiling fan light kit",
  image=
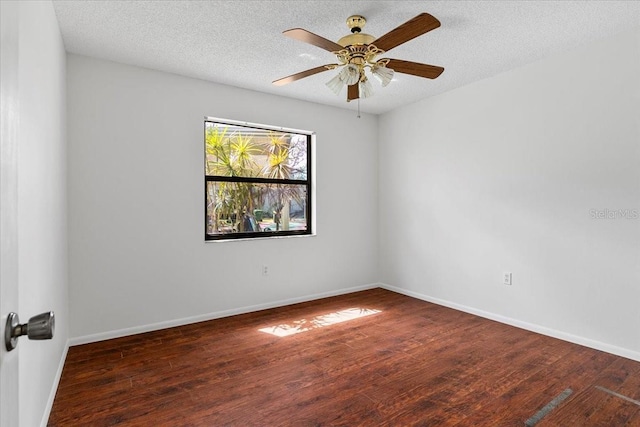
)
(365, 88)
(350, 74)
(384, 74)
(358, 52)
(336, 84)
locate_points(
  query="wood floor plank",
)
(410, 363)
(595, 407)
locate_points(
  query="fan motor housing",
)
(357, 38)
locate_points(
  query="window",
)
(257, 180)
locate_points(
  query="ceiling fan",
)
(357, 52)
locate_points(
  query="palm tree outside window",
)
(257, 180)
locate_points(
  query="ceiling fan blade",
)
(415, 68)
(314, 39)
(411, 29)
(353, 92)
(303, 74)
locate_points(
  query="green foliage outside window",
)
(256, 181)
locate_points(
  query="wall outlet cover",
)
(506, 279)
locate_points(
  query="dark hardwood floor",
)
(411, 363)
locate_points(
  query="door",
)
(9, 116)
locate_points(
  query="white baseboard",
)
(54, 387)
(210, 316)
(587, 342)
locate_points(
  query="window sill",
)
(245, 239)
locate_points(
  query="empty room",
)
(320, 213)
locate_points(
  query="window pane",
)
(241, 207)
(240, 151)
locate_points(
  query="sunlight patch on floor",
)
(303, 325)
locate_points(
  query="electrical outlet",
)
(265, 270)
(506, 278)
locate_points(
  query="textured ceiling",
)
(240, 43)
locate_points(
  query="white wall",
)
(138, 259)
(42, 203)
(501, 175)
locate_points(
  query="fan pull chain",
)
(358, 107)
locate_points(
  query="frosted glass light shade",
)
(383, 74)
(366, 88)
(336, 84)
(350, 74)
